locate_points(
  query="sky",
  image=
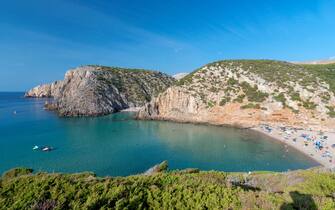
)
(40, 40)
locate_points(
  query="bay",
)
(118, 145)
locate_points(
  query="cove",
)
(118, 145)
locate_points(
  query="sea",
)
(119, 145)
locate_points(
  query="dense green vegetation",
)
(138, 85)
(325, 72)
(186, 189)
(118, 69)
(272, 70)
(252, 93)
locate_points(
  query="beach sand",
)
(325, 156)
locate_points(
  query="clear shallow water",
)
(118, 145)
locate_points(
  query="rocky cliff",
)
(247, 93)
(100, 90)
(45, 90)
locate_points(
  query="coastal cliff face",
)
(45, 90)
(100, 90)
(247, 93)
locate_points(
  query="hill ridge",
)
(256, 91)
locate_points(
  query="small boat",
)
(46, 149)
(14, 112)
(35, 147)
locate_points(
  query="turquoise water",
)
(118, 145)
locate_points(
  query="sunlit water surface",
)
(119, 145)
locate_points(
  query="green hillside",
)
(255, 82)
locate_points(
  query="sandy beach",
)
(318, 145)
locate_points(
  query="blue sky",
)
(40, 40)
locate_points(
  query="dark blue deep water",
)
(118, 145)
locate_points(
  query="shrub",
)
(210, 104)
(186, 189)
(251, 106)
(224, 101)
(239, 98)
(15, 172)
(295, 96)
(252, 93)
(280, 98)
(309, 105)
(331, 112)
(232, 82)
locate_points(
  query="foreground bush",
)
(188, 189)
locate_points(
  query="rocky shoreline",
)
(45, 91)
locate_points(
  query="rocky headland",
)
(99, 90)
(248, 93)
(45, 90)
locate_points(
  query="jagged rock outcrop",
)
(100, 90)
(247, 93)
(45, 90)
(161, 167)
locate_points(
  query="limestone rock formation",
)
(45, 90)
(99, 90)
(161, 167)
(247, 93)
